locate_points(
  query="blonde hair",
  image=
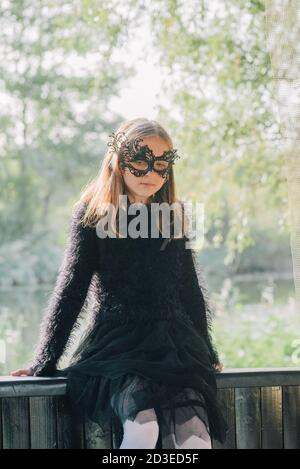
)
(106, 187)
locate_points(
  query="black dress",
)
(148, 342)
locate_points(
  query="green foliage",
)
(256, 334)
(56, 83)
(220, 104)
(31, 260)
(57, 76)
(252, 336)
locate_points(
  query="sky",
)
(140, 95)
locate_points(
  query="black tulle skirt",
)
(120, 369)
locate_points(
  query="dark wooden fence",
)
(262, 407)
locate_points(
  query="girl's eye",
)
(160, 165)
(139, 164)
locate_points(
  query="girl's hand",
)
(21, 372)
(218, 366)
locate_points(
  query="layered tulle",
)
(120, 369)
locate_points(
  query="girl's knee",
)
(143, 431)
(193, 432)
(148, 423)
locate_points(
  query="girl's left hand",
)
(218, 366)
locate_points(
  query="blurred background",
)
(71, 72)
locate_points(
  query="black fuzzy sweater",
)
(130, 279)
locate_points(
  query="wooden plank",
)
(1, 424)
(271, 414)
(65, 429)
(227, 401)
(245, 377)
(78, 425)
(228, 378)
(248, 418)
(32, 386)
(248, 427)
(15, 414)
(43, 432)
(291, 417)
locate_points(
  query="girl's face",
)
(139, 189)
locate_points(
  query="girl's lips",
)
(147, 184)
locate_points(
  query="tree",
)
(221, 107)
(57, 74)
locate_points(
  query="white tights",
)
(192, 435)
(143, 433)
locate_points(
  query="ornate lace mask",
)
(141, 159)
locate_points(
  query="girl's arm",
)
(67, 298)
(197, 306)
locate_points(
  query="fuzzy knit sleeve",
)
(67, 298)
(194, 295)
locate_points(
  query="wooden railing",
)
(262, 408)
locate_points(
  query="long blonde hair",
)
(106, 187)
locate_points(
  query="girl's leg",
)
(141, 433)
(192, 434)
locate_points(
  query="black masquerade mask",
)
(140, 159)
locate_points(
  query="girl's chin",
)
(147, 191)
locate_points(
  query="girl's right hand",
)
(22, 372)
(218, 366)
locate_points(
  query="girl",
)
(146, 362)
